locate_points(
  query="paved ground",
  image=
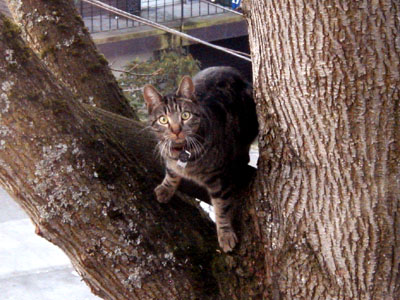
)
(32, 268)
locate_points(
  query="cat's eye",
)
(163, 120)
(185, 115)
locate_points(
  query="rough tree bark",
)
(86, 195)
(327, 84)
(68, 163)
(56, 33)
(322, 216)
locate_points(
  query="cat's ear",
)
(151, 96)
(186, 88)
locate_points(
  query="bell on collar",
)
(183, 158)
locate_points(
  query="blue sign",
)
(236, 3)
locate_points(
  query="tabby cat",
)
(204, 132)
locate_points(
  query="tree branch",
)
(113, 136)
(89, 197)
(60, 23)
(56, 32)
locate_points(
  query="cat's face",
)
(175, 119)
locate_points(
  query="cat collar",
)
(183, 158)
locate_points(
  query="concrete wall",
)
(142, 41)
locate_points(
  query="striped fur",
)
(213, 117)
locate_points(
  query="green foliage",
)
(164, 73)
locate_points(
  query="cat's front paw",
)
(163, 194)
(227, 240)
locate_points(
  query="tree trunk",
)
(326, 78)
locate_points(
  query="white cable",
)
(127, 15)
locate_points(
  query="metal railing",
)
(160, 11)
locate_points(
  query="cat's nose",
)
(176, 129)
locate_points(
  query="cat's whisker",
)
(188, 143)
(143, 129)
(157, 148)
(192, 145)
(162, 145)
(169, 148)
(196, 145)
(166, 148)
(198, 138)
(200, 146)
